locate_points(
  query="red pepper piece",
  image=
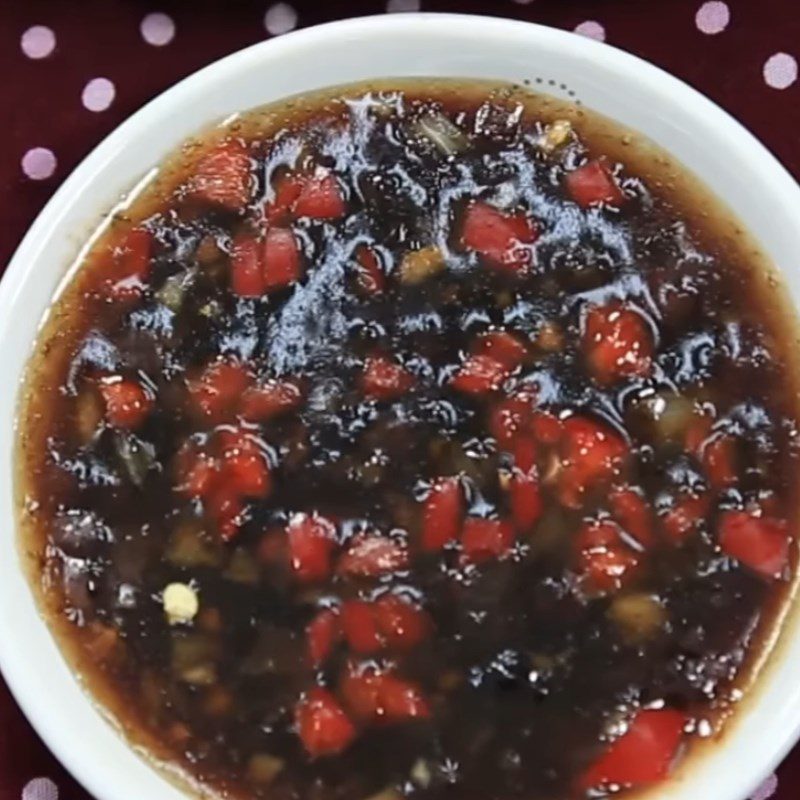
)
(270, 399)
(311, 542)
(198, 473)
(320, 197)
(761, 543)
(127, 403)
(643, 755)
(509, 417)
(479, 375)
(401, 700)
(503, 347)
(373, 555)
(546, 427)
(383, 379)
(381, 696)
(322, 724)
(592, 454)
(243, 467)
(130, 268)
(605, 561)
(715, 451)
(360, 627)
(526, 500)
(443, 513)
(402, 626)
(217, 390)
(617, 343)
(484, 539)
(502, 238)
(370, 278)
(223, 176)
(322, 634)
(630, 509)
(685, 517)
(287, 189)
(359, 687)
(526, 451)
(247, 272)
(226, 508)
(594, 183)
(281, 259)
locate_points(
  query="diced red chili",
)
(617, 343)
(311, 542)
(322, 724)
(217, 390)
(685, 516)
(484, 539)
(546, 427)
(402, 625)
(247, 272)
(643, 755)
(479, 375)
(223, 176)
(526, 500)
(594, 183)
(281, 259)
(322, 633)
(359, 688)
(376, 696)
(443, 513)
(370, 278)
(605, 561)
(632, 511)
(526, 452)
(226, 508)
(761, 543)
(373, 555)
(509, 417)
(197, 474)
(127, 402)
(502, 238)
(360, 627)
(246, 473)
(320, 197)
(401, 700)
(592, 454)
(504, 347)
(384, 379)
(269, 399)
(130, 268)
(287, 188)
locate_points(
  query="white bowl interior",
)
(698, 133)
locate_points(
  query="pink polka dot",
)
(39, 163)
(522, 2)
(38, 42)
(767, 789)
(780, 70)
(40, 789)
(398, 6)
(592, 30)
(98, 94)
(713, 17)
(280, 18)
(157, 29)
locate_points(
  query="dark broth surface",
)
(401, 443)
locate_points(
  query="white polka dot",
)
(40, 789)
(98, 94)
(767, 789)
(39, 164)
(397, 6)
(38, 42)
(280, 18)
(157, 29)
(592, 30)
(713, 17)
(780, 71)
(522, 2)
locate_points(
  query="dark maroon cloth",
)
(740, 53)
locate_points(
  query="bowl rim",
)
(75, 755)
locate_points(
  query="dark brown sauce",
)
(527, 665)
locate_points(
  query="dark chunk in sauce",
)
(410, 443)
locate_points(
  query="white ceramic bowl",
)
(697, 132)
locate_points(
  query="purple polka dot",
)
(398, 6)
(40, 789)
(767, 789)
(98, 94)
(522, 2)
(713, 17)
(780, 71)
(157, 29)
(280, 18)
(39, 164)
(592, 30)
(38, 42)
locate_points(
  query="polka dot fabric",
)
(73, 72)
